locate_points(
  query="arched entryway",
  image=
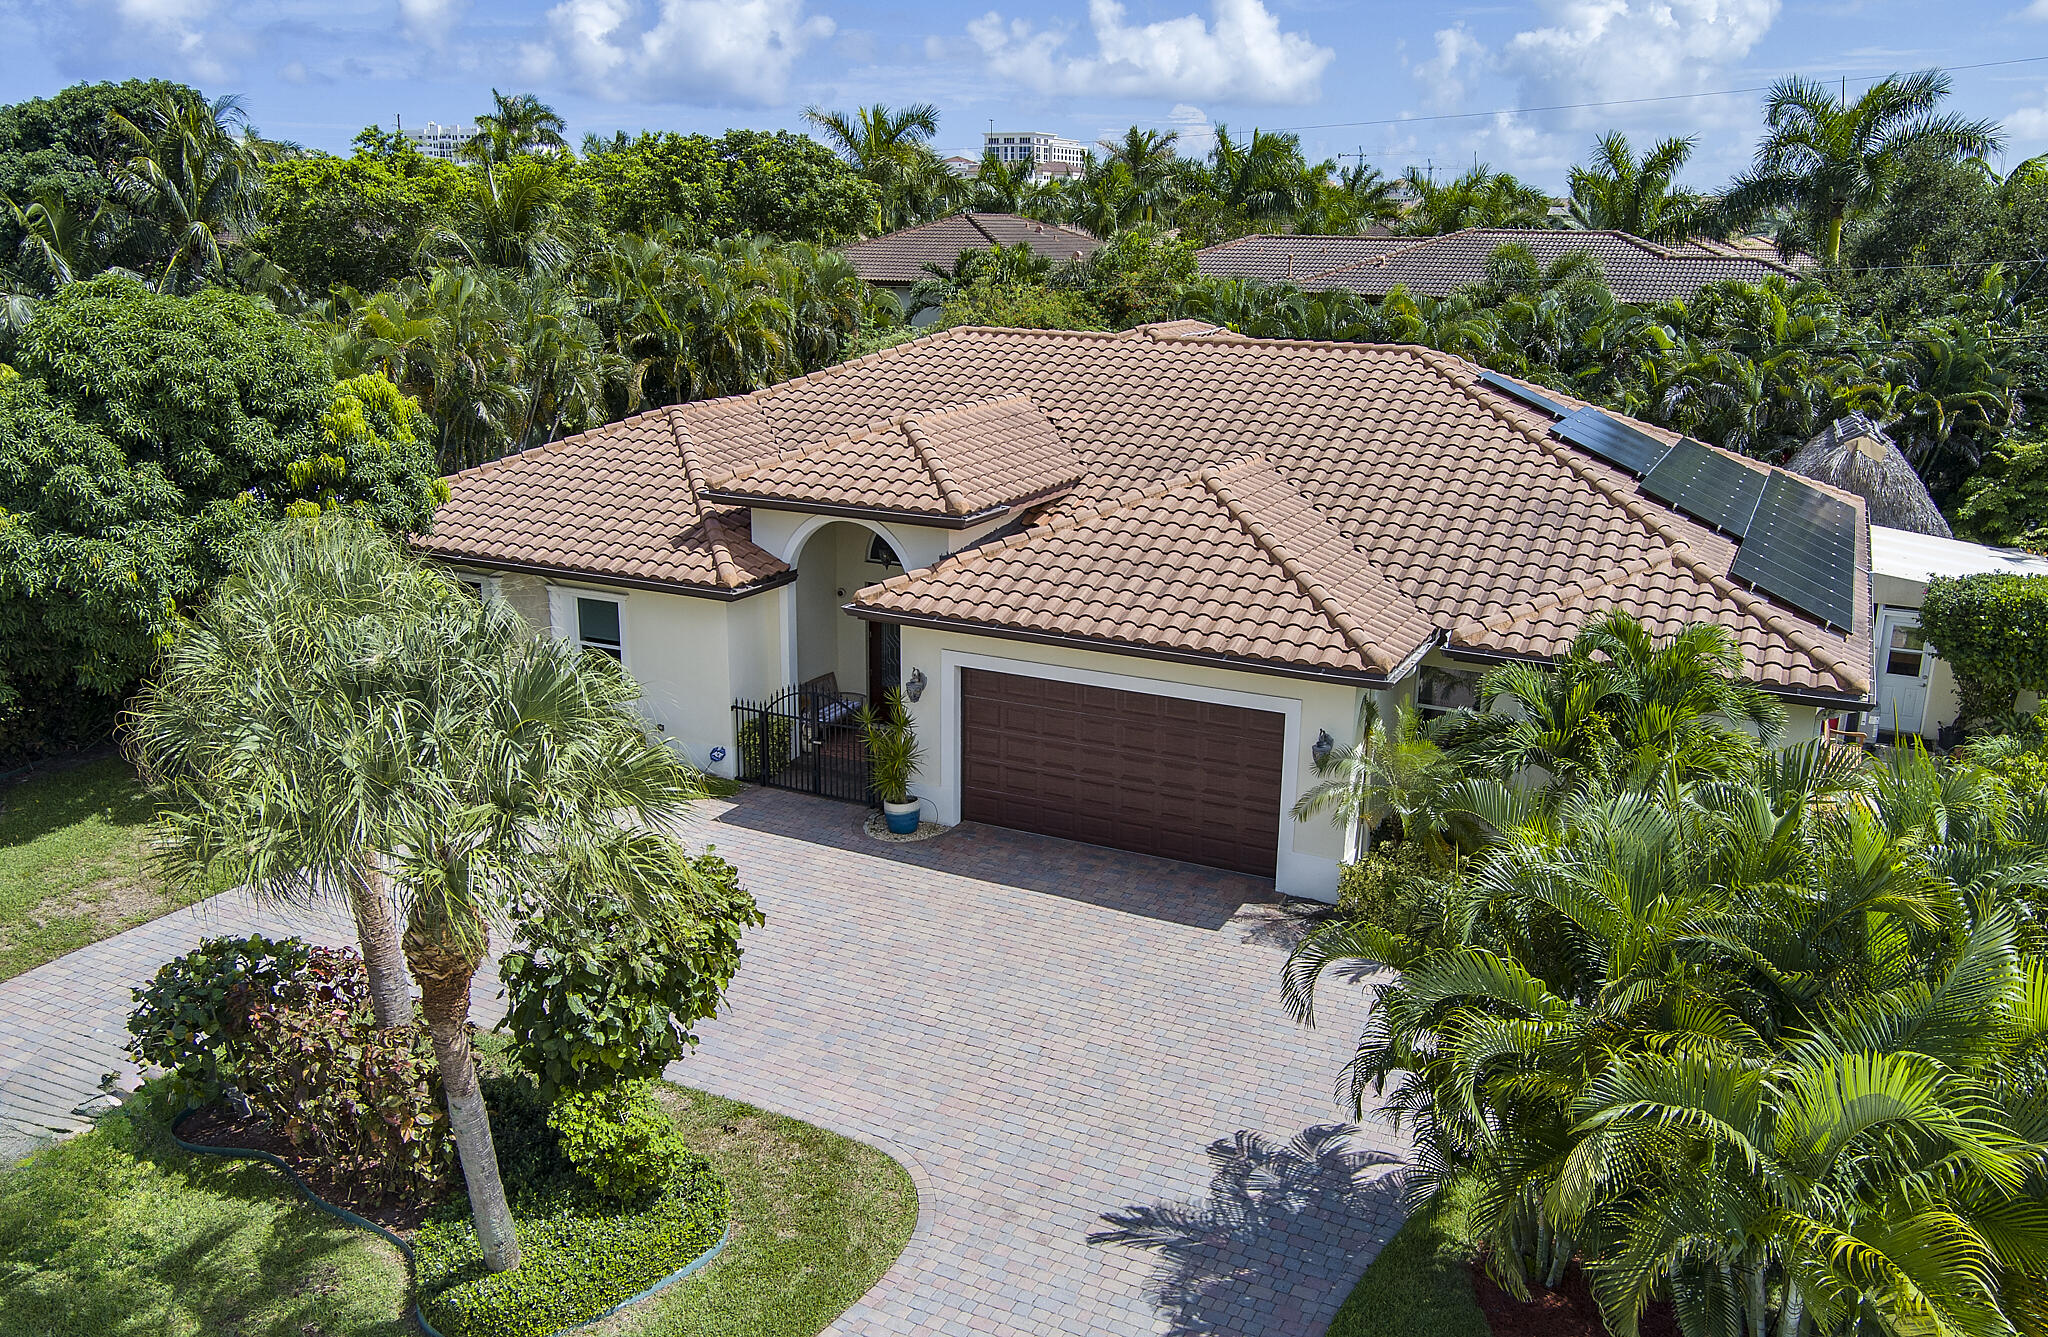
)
(834, 649)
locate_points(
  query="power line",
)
(1615, 102)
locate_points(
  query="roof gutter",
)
(1821, 700)
(717, 595)
(1343, 677)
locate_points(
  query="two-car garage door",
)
(1156, 774)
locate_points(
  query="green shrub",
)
(1993, 631)
(1400, 887)
(365, 1102)
(765, 746)
(580, 1257)
(621, 1140)
(188, 1018)
(609, 995)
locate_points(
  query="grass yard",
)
(117, 1232)
(75, 863)
(1420, 1283)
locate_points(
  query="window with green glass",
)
(597, 627)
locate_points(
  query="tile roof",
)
(1636, 270)
(900, 257)
(1506, 538)
(955, 463)
(1224, 562)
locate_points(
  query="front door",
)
(1903, 663)
(885, 658)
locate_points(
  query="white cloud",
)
(1605, 50)
(2037, 10)
(178, 35)
(694, 51)
(1459, 56)
(2026, 127)
(1197, 135)
(430, 21)
(1239, 54)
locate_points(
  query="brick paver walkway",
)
(1059, 1041)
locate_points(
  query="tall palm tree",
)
(509, 216)
(1481, 197)
(198, 169)
(1628, 194)
(887, 147)
(517, 123)
(1150, 157)
(1826, 160)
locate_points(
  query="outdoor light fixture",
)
(915, 687)
(1323, 746)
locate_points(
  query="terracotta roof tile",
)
(1224, 562)
(954, 462)
(1506, 538)
(1636, 270)
(900, 257)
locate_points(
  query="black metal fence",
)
(805, 738)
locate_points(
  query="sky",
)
(1442, 86)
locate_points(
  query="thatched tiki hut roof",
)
(1854, 454)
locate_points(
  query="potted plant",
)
(894, 756)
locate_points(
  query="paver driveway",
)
(1060, 1041)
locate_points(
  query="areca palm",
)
(57, 239)
(1826, 160)
(1386, 773)
(517, 123)
(509, 216)
(1636, 196)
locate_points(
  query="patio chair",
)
(823, 707)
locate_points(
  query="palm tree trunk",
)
(1836, 217)
(383, 958)
(1793, 1310)
(444, 971)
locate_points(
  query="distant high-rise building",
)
(441, 141)
(1052, 155)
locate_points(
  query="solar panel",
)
(1707, 485)
(1801, 550)
(1525, 394)
(1616, 442)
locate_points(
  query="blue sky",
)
(318, 70)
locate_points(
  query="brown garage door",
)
(1183, 779)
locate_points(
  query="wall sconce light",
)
(914, 688)
(1323, 746)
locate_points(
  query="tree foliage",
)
(1992, 631)
(745, 183)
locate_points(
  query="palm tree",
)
(1150, 157)
(1003, 188)
(1632, 195)
(516, 780)
(1826, 160)
(1387, 773)
(509, 216)
(57, 238)
(883, 145)
(198, 169)
(1265, 176)
(520, 123)
(1481, 197)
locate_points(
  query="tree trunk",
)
(444, 972)
(1793, 1309)
(383, 958)
(1836, 217)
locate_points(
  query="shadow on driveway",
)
(1284, 1235)
(1180, 893)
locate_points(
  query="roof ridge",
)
(1215, 480)
(974, 222)
(1761, 609)
(928, 455)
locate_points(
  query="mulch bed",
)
(224, 1126)
(1568, 1311)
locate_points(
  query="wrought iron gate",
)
(805, 738)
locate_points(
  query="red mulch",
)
(223, 1126)
(1568, 1311)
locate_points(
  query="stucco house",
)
(1134, 580)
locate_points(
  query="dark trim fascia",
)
(1195, 658)
(724, 498)
(1821, 700)
(624, 582)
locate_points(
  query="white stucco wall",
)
(1310, 852)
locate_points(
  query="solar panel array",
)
(1613, 441)
(1801, 550)
(1797, 543)
(1708, 486)
(1530, 397)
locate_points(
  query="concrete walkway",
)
(1060, 1042)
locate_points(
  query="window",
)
(598, 629)
(879, 552)
(1905, 656)
(1438, 690)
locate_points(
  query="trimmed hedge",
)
(1993, 631)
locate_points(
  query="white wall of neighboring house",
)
(1310, 852)
(1902, 565)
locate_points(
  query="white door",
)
(1903, 665)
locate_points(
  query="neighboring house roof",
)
(1906, 555)
(966, 463)
(1636, 270)
(900, 257)
(1854, 454)
(1453, 494)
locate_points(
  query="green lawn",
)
(1420, 1283)
(75, 863)
(117, 1232)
